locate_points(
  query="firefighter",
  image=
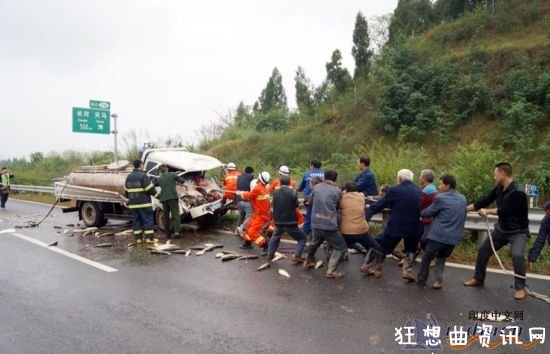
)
(259, 198)
(139, 190)
(276, 184)
(230, 181)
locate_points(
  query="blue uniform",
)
(306, 187)
(366, 182)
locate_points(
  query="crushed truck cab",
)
(97, 192)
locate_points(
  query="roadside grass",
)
(45, 198)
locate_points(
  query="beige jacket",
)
(352, 214)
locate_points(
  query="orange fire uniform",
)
(259, 198)
(230, 184)
(276, 184)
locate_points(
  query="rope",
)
(534, 294)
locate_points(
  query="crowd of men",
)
(426, 221)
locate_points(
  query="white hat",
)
(231, 166)
(264, 177)
(284, 170)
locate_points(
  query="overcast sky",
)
(166, 66)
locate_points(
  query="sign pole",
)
(115, 133)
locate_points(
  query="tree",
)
(273, 95)
(450, 9)
(337, 75)
(304, 95)
(242, 115)
(410, 18)
(360, 49)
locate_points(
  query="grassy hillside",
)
(470, 91)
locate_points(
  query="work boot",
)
(296, 260)
(152, 240)
(473, 282)
(520, 294)
(309, 263)
(139, 241)
(333, 275)
(246, 245)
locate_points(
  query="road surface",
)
(75, 298)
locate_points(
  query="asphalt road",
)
(52, 303)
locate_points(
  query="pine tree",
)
(304, 95)
(360, 49)
(273, 96)
(338, 76)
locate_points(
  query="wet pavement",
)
(51, 303)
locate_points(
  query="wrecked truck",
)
(97, 193)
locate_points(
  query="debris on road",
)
(104, 244)
(264, 266)
(284, 273)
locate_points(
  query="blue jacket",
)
(304, 184)
(366, 182)
(543, 236)
(449, 212)
(404, 202)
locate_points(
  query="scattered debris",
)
(52, 244)
(104, 244)
(264, 266)
(248, 256)
(319, 264)
(284, 273)
(229, 257)
(160, 252)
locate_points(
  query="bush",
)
(473, 166)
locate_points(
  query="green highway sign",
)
(100, 105)
(88, 120)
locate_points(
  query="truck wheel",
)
(208, 220)
(159, 215)
(92, 215)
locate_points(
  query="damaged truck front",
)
(97, 192)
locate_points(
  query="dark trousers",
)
(294, 232)
(3, 199)
(365, 240)
(143, 222)
(306, 229)
(518, 240)
(334, 240)
(441, 252)
(171, 208)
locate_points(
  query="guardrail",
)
(34, 189)
(474, 222)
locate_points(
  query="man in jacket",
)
(305, 186)
(324, 221)
(512, 227)
(170, 200)
(353, 225)
(139, 191)
(259, 198)
(366, 181)
(230, 181)
(4, 186)
(447, 229)
(245, 208)
(285, 202)
(427, 197)
(542, 238)
(404, 224)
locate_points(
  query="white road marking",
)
(449, 264)
(76, 257)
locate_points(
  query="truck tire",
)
(159, 214)
(92, 215)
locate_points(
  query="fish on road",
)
(264, 266)
(284, 273)
(229, 257)
(104, 244)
